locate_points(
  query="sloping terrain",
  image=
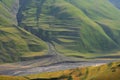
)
(75, 27)
(12, 78)
(15, 41)
(52, 30)
(109, 71)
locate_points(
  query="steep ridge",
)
(15, 41)
(74, 27)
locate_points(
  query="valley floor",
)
(97, 70)
(17, 69)
(52, 61)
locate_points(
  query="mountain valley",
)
(40, 37)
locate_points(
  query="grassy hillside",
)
(86, 28)
(11, 78)
(73, 26)
(15, 41)
(109, 71)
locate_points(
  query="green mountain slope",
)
(80, 28)
(15, 41)
(73, 26)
